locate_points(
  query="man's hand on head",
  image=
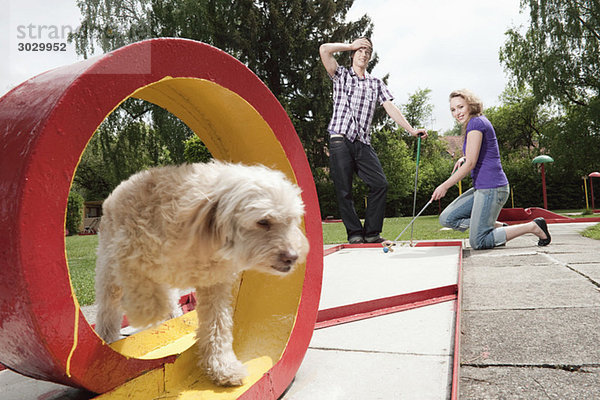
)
(360, 43)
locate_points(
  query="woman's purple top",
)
(488, 172)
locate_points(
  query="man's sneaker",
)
(356, 240)
(374, 239)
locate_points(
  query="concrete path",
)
(531, 319)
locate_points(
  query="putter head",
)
(387, 246)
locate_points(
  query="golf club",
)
(387, 247)
(413, 220)
(416, 183)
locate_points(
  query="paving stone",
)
(508, 258)
(592, 271)
(14, 386)
(522, 287)
(578, 257)
(499, 383)
(567, 336)
(531, 319)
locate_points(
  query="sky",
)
(439, 45)
(25, 22)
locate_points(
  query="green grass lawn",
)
(576, 213)
(593, 232)
(425, 228)
(81, 255)
(81, 250)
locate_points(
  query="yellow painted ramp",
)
(182, 379)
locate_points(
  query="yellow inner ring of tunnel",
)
(265, 305)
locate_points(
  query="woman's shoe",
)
(541, 222)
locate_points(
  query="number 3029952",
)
(35, 46)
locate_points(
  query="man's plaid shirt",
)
(354, 101)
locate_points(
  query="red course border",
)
(374, 308)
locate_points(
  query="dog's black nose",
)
(288, 257)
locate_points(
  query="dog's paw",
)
(230, 373)
(109, 333)
(108, 337)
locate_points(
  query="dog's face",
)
(276, 243)
(258, 220)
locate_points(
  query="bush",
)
(326, 193)
(195, 151)
(74, 213)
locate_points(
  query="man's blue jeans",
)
(345, 159)
(478, 210)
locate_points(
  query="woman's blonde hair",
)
(475, 104)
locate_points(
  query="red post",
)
(592, 191)
(592, 176)
(544, 187)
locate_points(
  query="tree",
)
(558, 58)
(559, 54)
(92, 178)
(196, 151)
(519, 122)
(278, 41)
(397, 163)
(397, 153)
(418, 109)
(74, 216)
(456, 130)
(126, 142)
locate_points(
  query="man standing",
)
(355, 96)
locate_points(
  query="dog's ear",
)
(200, 222)
(210, 222)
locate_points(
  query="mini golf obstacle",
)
(45, 125)
(513, 216)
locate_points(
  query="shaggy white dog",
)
(195, 225)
